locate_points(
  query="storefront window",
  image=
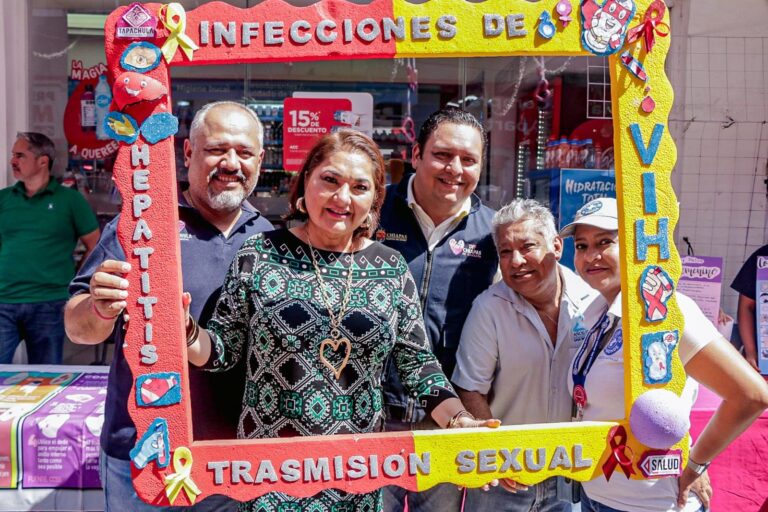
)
(534, 128)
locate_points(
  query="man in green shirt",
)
(40, 223)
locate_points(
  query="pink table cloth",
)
(739, 475)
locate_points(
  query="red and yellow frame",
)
(581, 451)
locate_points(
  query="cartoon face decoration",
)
(140, 57)
(657, 356)
(605, 27)
(131, 87)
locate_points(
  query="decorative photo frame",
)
(170, 466)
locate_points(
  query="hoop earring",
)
(300, 205)
(368, 224)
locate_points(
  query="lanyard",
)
(598, 337)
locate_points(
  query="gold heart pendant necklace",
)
(333, 344)
(336, 340)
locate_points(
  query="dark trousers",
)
(39, 324)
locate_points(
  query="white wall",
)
(720, 170)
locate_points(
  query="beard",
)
(229, 200)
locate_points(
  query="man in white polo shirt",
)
(518, 342)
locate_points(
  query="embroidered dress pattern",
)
(271, 311)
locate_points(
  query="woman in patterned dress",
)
(315, 310)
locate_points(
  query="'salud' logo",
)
(661, 463)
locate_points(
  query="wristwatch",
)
(696, 467)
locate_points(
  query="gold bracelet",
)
(456, 417)
(193, 332)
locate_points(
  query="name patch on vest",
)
(382, 236)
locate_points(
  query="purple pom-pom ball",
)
(659, 418)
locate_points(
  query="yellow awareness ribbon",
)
(181, 479)
(174, 18)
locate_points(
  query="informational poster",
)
(577, 188)
(702, 281)
(20, 394)
(61, 438)
(360, 114)
(761, 333)
(50, 424)
(83, 114)
(305, 121)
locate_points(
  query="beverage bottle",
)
(578, 154)
(548, 155)
(88, 110)
(103, 100)
(598, 154)
(555, 154)
(562, 158)
(572, 150)
(569, 153)
(589, 154)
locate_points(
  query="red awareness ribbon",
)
(650, 26)
(617, 439)
(655, 303)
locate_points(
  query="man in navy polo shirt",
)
(443, 230)
(40, 223)
(223, 154)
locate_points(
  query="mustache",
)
(239, 174)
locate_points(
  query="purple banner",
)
(761, 298)
(701, 280)
(60, 441)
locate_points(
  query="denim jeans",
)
(119, 495)
(39, 324)
(588, 505)
(440, 498)
(541, 497)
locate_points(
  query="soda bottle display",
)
(103, 100)
(88, 110)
